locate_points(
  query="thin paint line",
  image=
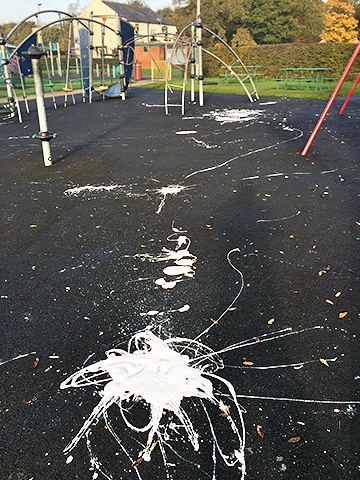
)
(301, 133)
(299, 400)
(235, 298)
(17, 358)
(269, 367)
(281, 218)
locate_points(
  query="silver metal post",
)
(44, 135)
(200, 58)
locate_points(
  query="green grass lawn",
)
(266, 87)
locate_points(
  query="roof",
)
(137, 14)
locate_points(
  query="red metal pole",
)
(346, 101)
(331, 101)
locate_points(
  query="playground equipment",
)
(80, 49)
(332, 99)
(193, 57)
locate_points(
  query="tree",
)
(74, 8)
(137, 3)
(20, 33)
(310, 16)
(340, 24)
(356, 5)
(274, 21)
(241, 38)
(222, 17)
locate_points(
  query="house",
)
(152, 31)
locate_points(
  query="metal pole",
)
(192, 64)
(200, 60)
(5, 65)
(352, 89)
(44, 135)
(331, 101)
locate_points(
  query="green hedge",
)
(273, 57)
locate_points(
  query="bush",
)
(273, 57)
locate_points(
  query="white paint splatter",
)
(93, 189)
(161, 374)
(232, 115)
(152, 313)
(203, 144)
(169, 190)
(185, 132)
(183, 260)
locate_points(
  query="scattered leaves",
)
(209, 227)
(36, 362)
(259, 431)
(330, 302)
(324, 362)
(342, 314)
(271, 321)
(294, 439)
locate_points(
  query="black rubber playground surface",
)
(88, 258)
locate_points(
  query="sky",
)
(17, 10)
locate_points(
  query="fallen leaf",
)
(33, 226)
(259, 431)
(321, 272)
(337, 295)
(342, 314)
(248, 363)
(330, 302)
(231, 309)
(86, 318)
(223, 415)
(294, 439)
(324, 362)
(137, 462)
(154, 445)
(36, 362)
(214, 321)
(271, 321)
(225, 407)
(282, 253)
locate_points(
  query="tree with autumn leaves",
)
(340, 24)
(271, 21)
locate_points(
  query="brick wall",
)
(156, 52)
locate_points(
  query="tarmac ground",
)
(209, 227)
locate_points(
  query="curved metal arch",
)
(36, 14)
(69, 19)
(229, 66)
